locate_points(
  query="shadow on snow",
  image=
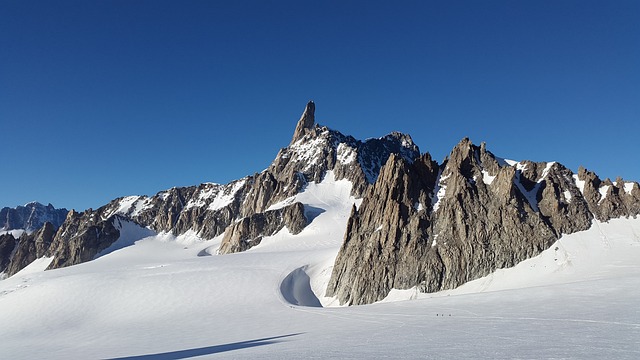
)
(208, 350)
(312, 212)
(296, 289)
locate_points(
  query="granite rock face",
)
(82, 237)
(240, 209)
(436, 227)
(15, 254)
(306, 122)
(30, 247)
(7, 244)
(249, 231)
(31, 217)
(607, 199)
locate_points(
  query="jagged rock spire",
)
(306, 122)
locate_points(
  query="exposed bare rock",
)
(630, 194)
(306, 122)
(608, 200)
(386, 237)
(440, 227)
(270, 187)
(82, 237)
(30, 247)
(560, 201)
(7, 245)
(249, 231)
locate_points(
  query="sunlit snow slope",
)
(174, 298)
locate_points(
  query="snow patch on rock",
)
(567, 196)
(226, 195)
(309, 151)
(346, 154)
(603, 190)
(439, 191)
(486, 178)
(579, 183)
(130, 232)
(628, 187)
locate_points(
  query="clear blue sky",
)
(101, 99)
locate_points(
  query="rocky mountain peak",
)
(462, 159)
(31, 216)
(244, 210)
(482, 213)
(306, 122)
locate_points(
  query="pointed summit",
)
(306, 122)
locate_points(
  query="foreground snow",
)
(167, 298)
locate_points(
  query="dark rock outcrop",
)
(437, 227)
(249, 231)
(306, 122)
(30, 247)
(390, 225)
(81, 238)
(608, 200)
(7, 245)
(15, 254)
(31, 217)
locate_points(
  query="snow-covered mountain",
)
(30, 217)
(244, 207)
(422, 224)
(164, 297)
(258, 267)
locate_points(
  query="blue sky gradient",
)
(101, 99)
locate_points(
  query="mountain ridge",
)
(450, 223)
(209, 209)
(421, 224)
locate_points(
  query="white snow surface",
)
(130, 205)
(163, 297)
(628, 187)
(603, 192)
(567, 195)
(486, 178)
(309, 151)
(226, 195)
(329, 194)
(346, 154)
(506, 162)
(439, 191)
(579, 183)
(207, 191)
(164, 195)
(125, 204)
(545, 172)
(16, 233)
(130, 232)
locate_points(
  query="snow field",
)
(162, 297)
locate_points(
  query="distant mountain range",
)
(31, 217)
(420, 223)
